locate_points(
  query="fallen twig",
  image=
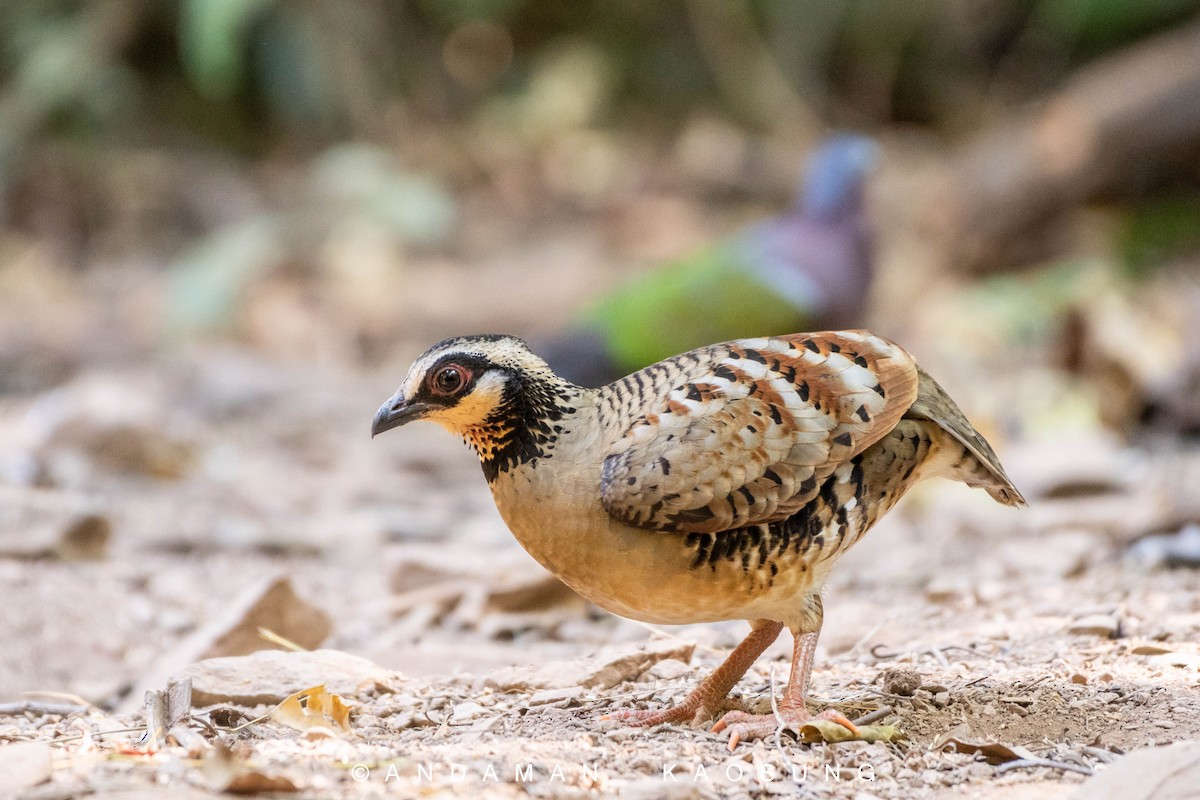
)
(877, 714)
(40, 707)
(1034, 763)
(1100, 754)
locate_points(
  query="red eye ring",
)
(448, 380)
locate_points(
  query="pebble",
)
(669, 669)
(557, 697)
(268, 676)
(1179, 549)
(899, 681)
(466, 710)
(1103, 625)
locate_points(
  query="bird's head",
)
(833, 181)
(489, 389)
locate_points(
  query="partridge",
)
(809, 267)
(722, 483)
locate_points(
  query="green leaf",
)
(208, 279)
(212, 41)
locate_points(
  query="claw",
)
(836, 716)
(637, 719)
(742, 726)
(646, 719)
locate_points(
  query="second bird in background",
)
(807, 269)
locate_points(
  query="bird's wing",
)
(744, 432)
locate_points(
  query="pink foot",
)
(743, 726)
(685, 713)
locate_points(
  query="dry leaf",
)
(273, 606)
(166, 709)
(993, 752)
(313, 708)
(824, 730)
(253, 782)
(227, 772)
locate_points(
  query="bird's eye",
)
(448, 380)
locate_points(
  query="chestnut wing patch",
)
(745, 432)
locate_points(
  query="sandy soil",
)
(1028, 629)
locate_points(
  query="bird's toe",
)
(743, 727)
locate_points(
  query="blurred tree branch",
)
(1119, 123)
(746, 73)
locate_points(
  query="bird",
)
(810, 267)
(719, 484)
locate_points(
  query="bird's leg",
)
(793, 709)
(705, 701)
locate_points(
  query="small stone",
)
(85, 539)
(944, 589)
(555, 697)
(1079, 679)
(669, 669)
(465, 711)
(1175, 769)
(271, 605)
(1149, 650)
(269, 676)
(1103, 625)
(899, 681)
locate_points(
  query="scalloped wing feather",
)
(745, 432)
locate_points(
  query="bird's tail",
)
(984, 469)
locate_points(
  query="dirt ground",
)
(144, 498)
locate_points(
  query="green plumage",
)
(709, 297)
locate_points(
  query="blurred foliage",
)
(1160, 229)
(314, 175)
(274, 130)
(1090, 27)
(324, 69)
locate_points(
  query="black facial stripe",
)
(473, 363)
(522, 426)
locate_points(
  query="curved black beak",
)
(395, 412)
